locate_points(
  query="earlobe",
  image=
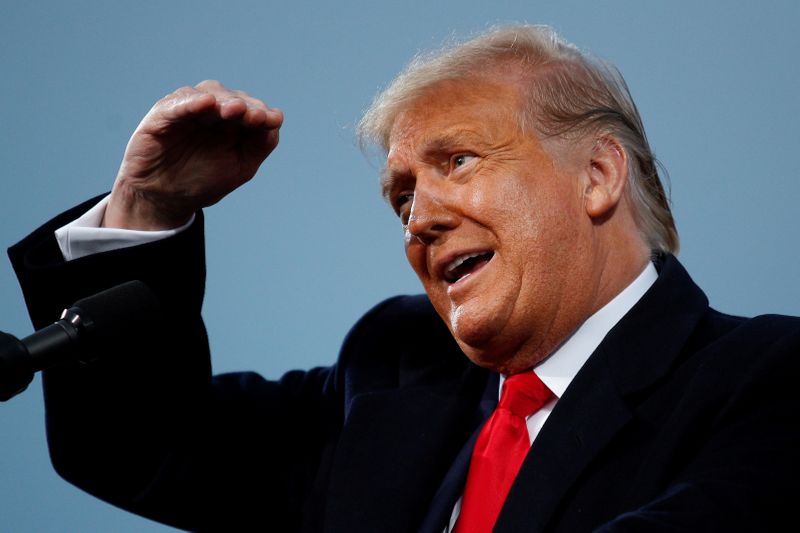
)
(607, 173)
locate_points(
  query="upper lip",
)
(454, 259)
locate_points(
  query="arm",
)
(147, 428)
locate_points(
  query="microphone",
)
(119, 315)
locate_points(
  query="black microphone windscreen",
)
(118, 314)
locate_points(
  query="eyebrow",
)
(449, 140)
(388, 180)
(442, 142)
(446, 141)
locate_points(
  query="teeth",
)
(449, 271)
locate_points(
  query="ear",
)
(607, 174)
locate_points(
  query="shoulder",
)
(400, 341)
(412, 314)
(760, 334)
(738, 357)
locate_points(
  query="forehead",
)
(453, 111)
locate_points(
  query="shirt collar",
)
(559, 369)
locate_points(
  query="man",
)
(532, 209)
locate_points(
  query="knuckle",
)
(228, 99)
(184, 91)
(209, 84)
(177, 94)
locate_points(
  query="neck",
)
(609, 268)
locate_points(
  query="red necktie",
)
(499, 451)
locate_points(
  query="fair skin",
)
(514, 247)
(192, 148)
(548, 242)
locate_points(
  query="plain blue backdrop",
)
(300, 252)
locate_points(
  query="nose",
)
(432, 214)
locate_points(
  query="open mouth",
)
(465, 265)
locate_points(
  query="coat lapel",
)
(396, 447)
(638, 351)
(581, 425)
(452, 486)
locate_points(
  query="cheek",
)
(543, 213)
(415, 254)
(510, 211)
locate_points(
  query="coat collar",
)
(399, 443)
(635, 354)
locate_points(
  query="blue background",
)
(299, 253)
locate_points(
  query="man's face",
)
(494, 227)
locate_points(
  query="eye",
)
(403, 199)
(459, 160)
(402, 205)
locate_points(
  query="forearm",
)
(146, 427)
(133, 401)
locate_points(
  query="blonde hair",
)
(567, 94)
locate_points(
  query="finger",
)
(248, 113)
(222, 93)
(254, 117)
(211, 99)
(181, 91)
(260, 143)
(199, 103)
(251, 101)
(211, 86)
(260, 118)
(232, 108)
(274, 118)
(185, 105)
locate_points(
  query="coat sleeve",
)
(147, 427)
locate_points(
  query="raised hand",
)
(192, 148)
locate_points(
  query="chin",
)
(474, 333)
(503, 363)
(482, 347)
(481, 327)
(491, 348)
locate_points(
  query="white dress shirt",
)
(84, 236)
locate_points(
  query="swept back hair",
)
(567, 94)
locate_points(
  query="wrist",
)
(131, 208)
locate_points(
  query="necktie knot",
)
(524, 394)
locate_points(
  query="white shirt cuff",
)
(84, 236)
